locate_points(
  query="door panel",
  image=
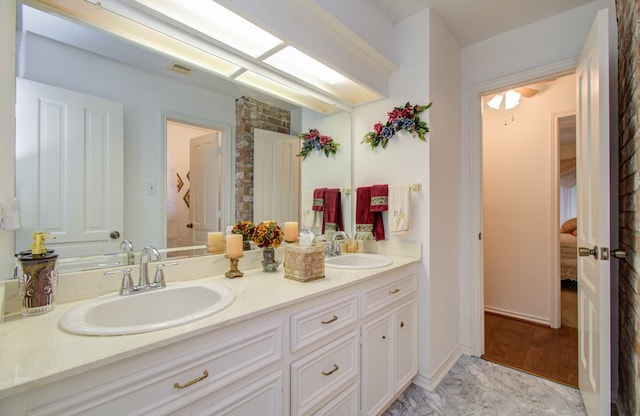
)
(276, 177)
(69, 175)
(204, 156)
(592, 77)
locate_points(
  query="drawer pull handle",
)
(335, 318)
(335, 368)
(394, 291)
(402, 324)
(204, 375)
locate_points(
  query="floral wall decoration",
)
(400, 118)
(315, 141)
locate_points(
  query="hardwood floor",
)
(533, 348)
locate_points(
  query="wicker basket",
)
(304, 264)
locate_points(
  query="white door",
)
(204, 200)
(276, 177)
(69, 169)
(592, 78)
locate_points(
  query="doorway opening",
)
(521, 155)
(194, 184)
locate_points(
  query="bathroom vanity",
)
(342, 345)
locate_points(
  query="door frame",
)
(228, 161)
(561, 68)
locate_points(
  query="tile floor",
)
(481, 388)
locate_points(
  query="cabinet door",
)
(262, 397)
(405, 344)
(376, 364)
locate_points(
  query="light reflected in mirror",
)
(75, 58)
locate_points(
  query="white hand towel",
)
(308, 215)
(399, 209)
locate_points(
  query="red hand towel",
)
(318, 199)
(380, 198)
(364, 216)
(332, 210)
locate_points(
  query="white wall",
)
(444, 201)
(517, 209)
(422, 44)
(546, 42)
(145, 97)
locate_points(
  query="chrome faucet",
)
(126, 246)
(335, 242)
(147, 255)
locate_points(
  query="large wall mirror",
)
(162, 109)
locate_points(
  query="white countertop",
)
(35, 351)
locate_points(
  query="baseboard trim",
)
(431, 381)
(517, 315)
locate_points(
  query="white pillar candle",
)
(214, 237)
(291, 231)
(234, 245)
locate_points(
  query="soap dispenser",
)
(37, 272)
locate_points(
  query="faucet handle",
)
(127, 281)
(159, 279)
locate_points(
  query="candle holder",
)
(233, 271)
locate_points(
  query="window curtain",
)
(567, 189)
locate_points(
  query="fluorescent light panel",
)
(300, 65)
(285, 92)
(216, 22)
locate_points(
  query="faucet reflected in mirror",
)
(146, 88)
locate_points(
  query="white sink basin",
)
(174, 305)
(358, 261)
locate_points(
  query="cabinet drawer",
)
(317, 323)
(318, 376)
(345, 404)
(200, 373)
(381, 296)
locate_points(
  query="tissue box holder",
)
(304, 264)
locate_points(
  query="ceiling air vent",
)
(181, 68)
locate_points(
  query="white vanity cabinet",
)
(229, 371)
(389, 357)
(347, 350)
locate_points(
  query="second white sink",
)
(174, 305)
(358, 261)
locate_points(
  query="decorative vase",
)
(246, 245)
(269, 261)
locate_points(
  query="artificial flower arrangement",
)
(314, 140)
(268, 234)
(400, 118)
(246, 228)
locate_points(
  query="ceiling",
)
(471, 21)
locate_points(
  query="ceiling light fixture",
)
(289, 93)
(300, 65)
(511, 100)
(216, 22)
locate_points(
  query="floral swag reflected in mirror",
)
(400, 118)
(315, 141)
